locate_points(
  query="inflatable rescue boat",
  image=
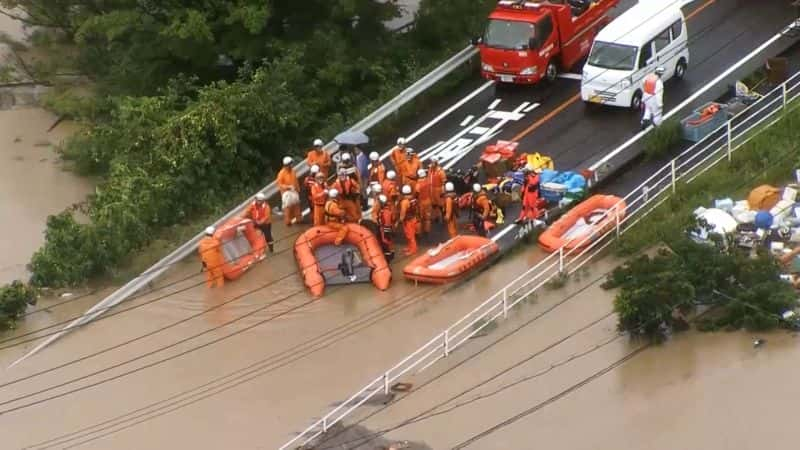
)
(452, 260)
(242, 246)
(359, 259)
(584, 223)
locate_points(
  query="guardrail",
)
(270, 190)
(703, 155)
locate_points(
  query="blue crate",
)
(696, 133)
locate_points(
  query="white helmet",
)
(210, 231)
(409, 151)
(261, 197)
(374, 156)
(314, 169)
(376, 188)
(406, 189)
(401, 141)
(448, 187)
(287, 160)
(422, 173)
(476, 187)
(333, 193)
(346, 157)
(318, 143)
(382, 198)
(391, 174)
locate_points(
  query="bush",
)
(14, 298)
(663, 139)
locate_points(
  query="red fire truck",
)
(527, 41)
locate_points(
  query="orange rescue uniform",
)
(318, 197)
(349, 191)
(261, 215)
(389, 189)
(451, 214)
(287, 180)
(437, 178)
(424, 192)
(482, 208)
(336, 217)
(398, 155)
(408, 171)
(377, 172)
(409, 212)
(320, 158)
(210, 249)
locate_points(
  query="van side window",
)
(662, 40)
(677, 29)
(545, 28)
(647, 53)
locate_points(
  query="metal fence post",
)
(785, 94)
(324, 424)
(386, 383)
(673, 170)
(730, 140)
(561, 260)
(505, 303)
(645, 194)
(446, 342)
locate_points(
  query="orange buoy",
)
(242, 246)
(321, 262)
(584, 223)
(452, 260)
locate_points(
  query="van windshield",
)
(612, 56)
(508, 34)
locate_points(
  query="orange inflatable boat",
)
(452, 260)
(242, 246)
(359, 259)
(591, 217)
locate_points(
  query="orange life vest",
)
(260, 214)
(650, 83)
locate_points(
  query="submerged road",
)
(298, 355)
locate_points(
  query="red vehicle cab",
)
(527, 41)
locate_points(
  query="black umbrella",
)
(352, 138)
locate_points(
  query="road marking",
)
(494, 104)
(503, 232)
(478, 130)
(571, 76)
(532, 107)
(700, 8)
(467, 120)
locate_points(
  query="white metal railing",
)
(717, 146)
(148, 276)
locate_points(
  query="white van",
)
(647, 36)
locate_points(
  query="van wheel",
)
(636, 101)
(551, 72)
(680, 69)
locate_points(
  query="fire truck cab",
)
(528, 41)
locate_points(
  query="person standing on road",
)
(409, 218)
(290, 192)
(398, 154)
(425, 198)
(261, 215)
(391, 191)
(319, 196)
(376, 171)
(336, 216)
(375, 192)
(653, 99)
(530, 197)
(210, 249)
(437, 178)
(450, 209)
(350, 191)
(317, 155)
(362, 164)
(386, 225)
(409, 168)
(481, 209)
(309, 181)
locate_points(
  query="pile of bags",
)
(769, 217)
(561, 188)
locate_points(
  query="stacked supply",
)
(562, 187)
(498, 158)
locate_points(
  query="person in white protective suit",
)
(653, 99)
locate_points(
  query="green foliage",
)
(656, 292)
(663, 139)
(14, 298)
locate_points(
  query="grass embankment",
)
(657, 292)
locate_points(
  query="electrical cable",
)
(240, 376)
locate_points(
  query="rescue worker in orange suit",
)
(375, 192)
(437, 178)
(261, 215)
(450, 209)
(336, 216)
(424, 193)
(287, 181)
(309, 181)
(653, 99)
(210, 249)
(530, 197)
(319, 196)
(409, 218)
(386, 225)
(409, 168)
(349, 190)
(398, 154)
(391, 191)
(347, 165)
(376, 170)
(481, 209)
(319, 157)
